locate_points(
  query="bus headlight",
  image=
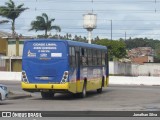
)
(65, 77)
(24, 77)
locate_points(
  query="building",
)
(3, 42)
(142, 59)
(11, 51)
(141, 55)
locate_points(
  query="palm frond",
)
(10, 4)
(4, 21)
(43, 23)
(20, 6)
(56, 28)
(40, 19)
(52, 20)
(11, 11)
(45, 16)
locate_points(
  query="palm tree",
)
(43, 23)
(11, 11)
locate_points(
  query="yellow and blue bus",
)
(52, 66)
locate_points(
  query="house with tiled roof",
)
(141, 55)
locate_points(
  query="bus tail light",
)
(24, 76)
(65, 77)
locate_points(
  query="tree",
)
(141, 42)
(43, 23)
(116, 49)
(97, 38)
(11, 11)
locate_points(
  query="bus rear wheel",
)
(47, 95)
(99, 90)
(84, 92)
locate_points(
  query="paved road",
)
(113, 98)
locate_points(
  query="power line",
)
(103, 28)
(88, 1)
(95, 32)
(100, 19)
(95, 10)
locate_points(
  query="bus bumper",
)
(30, 87)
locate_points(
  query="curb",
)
(13, 95)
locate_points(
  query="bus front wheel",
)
(47, 95)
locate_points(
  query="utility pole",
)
(155, 6)
(125, 36)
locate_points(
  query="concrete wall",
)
(15, 47)
(119, 68)
(11, 47)
(140, 80)
(20, 49)
(2, 64)
(111, 67)
(129, 69)
(150, 69)
(13, 76)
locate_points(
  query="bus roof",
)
(71, 43)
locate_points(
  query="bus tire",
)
(99, 90)
(47, 95)
(84, 92)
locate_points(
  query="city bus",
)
(52, 66)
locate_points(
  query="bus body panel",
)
(93, 76)
(45, 63)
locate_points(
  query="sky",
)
(130, 18)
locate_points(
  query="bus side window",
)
(90, 57)
(107, 58)
(94, 57)
(83, 55)
(72, 56)
(103, 58)
(99, 57)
